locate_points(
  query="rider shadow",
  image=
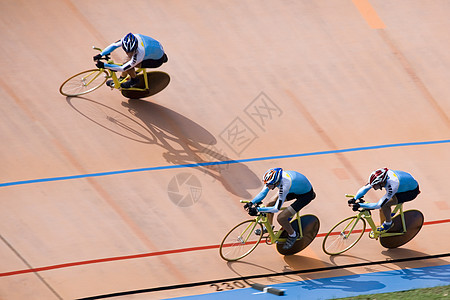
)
(242, 268)
(343, 279)
(417, 269)
(186, 142)
(348, 282)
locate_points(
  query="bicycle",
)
(347, 233)
(242, 239)
(90, 80)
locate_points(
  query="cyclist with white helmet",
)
(292, 185)
(400, 187)
(142, 51)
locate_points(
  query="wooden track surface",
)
(101, 194)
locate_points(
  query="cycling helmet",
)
(129, 43)
(378, 176)
(272, 176)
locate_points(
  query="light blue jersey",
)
(407, 182)
(291, 182)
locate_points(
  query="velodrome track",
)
(103, 195)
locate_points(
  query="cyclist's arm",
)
(111, 48)
(135, 60)
(261, 195)
(128, 65)
(362, 191)
(285, 186)
(391, 188)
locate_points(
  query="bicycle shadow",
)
(417, 269)
(186, 142)
(341, 279)
(346, 281)
(242, 268)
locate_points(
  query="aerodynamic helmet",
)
(378, 176)
(129, 43)
(272, 176)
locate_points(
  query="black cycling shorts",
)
(302, 199)
(408, 195)
(154, 63)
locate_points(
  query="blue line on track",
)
(22, 182)
(344, 286)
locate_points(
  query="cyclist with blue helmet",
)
(400, 187)
(292, 185)
(142, 51)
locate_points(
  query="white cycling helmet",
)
(378, 176)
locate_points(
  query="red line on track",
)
(143, 255)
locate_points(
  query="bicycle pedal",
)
(373, 235)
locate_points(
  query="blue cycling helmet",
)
(129, 43)
(272, 176)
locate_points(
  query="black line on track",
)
(194, 284)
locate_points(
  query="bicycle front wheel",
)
(240, 241)
(83, 82)
(344, 235)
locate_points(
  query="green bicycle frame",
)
(367, 216)
(275, 235)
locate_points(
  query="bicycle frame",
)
(274, 236)
(365, 214)
(113, 76)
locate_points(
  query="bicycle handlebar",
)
(105, 57)
(360, 200)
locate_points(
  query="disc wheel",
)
(83, 82)
(310, 227)
(344, 235)
(240, 241)
(413, 221)
(157, 81)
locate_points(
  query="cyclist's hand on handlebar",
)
(248, 205)
(355, 206)
(97, 57)
(351, 201)
(253, 211)
(100, 64)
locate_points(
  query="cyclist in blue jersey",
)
(400, 187)
(292, 185)
(142, 51)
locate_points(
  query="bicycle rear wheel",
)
(344, 235)
(240, 241)
(413, 221)
(310, 227)
(83, 82)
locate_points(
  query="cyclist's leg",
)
(300, 202)
(130, 71)
(154, 63)
(283, 219)
(385, 210)
(402, 197)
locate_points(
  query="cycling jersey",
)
(291, 182)
(148, 48)
(396, 182)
